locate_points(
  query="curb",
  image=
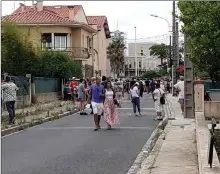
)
(35, 123)
(148, 147)
(202, 140)
(151, 159)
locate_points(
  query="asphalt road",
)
(70, 146)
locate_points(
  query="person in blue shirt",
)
(97, 96)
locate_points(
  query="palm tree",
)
(115, 53)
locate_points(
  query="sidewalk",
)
(175, 151)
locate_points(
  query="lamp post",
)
(170, 55)
(169, 27)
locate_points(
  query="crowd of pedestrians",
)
(103, 96)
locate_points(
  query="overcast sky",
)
(126, 13)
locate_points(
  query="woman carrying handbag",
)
(110, 113)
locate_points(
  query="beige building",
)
(59, 28)
(100, 44)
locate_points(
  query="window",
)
(130, 65)
(46, 41)
(134, 65)
(139, 64)
(60, 41)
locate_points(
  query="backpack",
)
(162, 99)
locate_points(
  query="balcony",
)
(62, 42)
(75, 52)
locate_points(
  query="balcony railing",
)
(75, 52)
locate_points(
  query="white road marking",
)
(132, 108)
(87, 127)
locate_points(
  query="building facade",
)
(63, 28)
(145, 62)
(100, 43)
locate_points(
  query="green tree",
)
(115, 53)
(155, 74)
(162, 51)
(59, 65)
(202, 27)
(18, 55)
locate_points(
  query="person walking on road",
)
(159, 100)
(135, 98)
(73, 84)
(147, 84)
(141, 87)
(9, 97)
(180, 88)
(82, 96)
(97, 95)
(152, 85)
(118, 88)
(110, 113)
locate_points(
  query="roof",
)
(48, 15)
(36, 17)
(96, 20)
(100, 21)
(58, 9)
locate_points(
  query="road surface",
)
(70, 146)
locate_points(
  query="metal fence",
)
(46, 85)
(210, 85)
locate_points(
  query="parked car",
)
(67, 90)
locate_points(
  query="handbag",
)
(162, 99)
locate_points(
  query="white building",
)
(145, 62)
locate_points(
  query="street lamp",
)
(169, 27)
(156, 16)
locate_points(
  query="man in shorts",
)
(82, 96)
(97, 96)
(180, 88)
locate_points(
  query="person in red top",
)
(73, 84)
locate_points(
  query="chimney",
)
(39, 5)
(22, 7)
(71, 12)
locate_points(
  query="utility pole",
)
(189, 107)
(135, 53)
(174, 67)
(177, 44)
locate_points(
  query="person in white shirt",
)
(180, 87)
(157, 94)
(135, 96)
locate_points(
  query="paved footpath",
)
(176, 152)
(70, 146)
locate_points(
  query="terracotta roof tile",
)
(98, 20)
(34, 16)
(58, 9)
